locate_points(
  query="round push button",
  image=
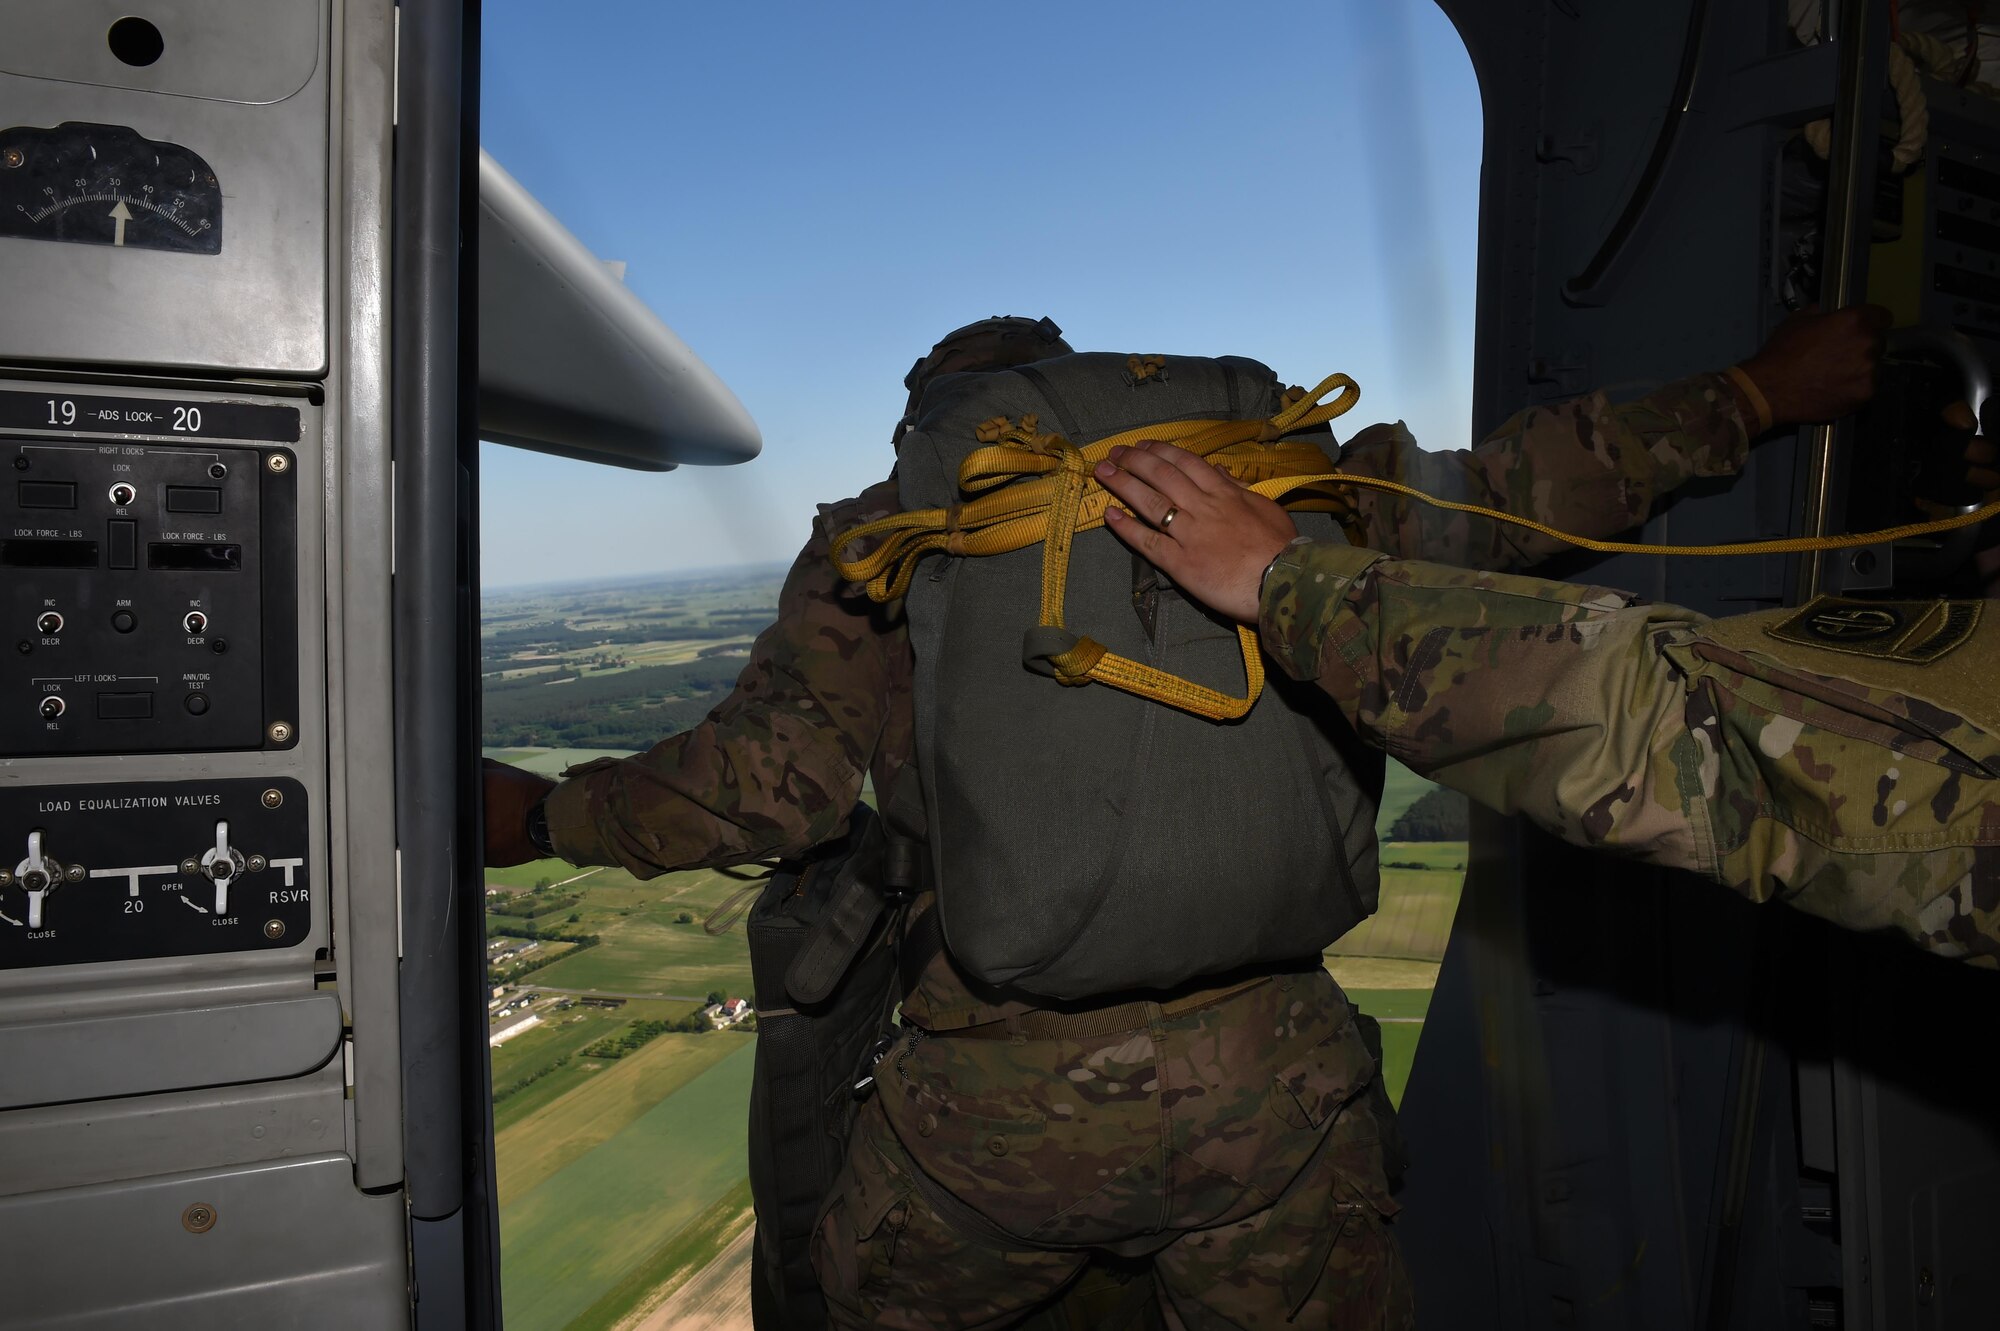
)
(124, 621)
(197, 704)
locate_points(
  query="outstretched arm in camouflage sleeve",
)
(777, 766)
(1858, 787)
(1595, 468)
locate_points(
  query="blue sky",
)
(810, 194)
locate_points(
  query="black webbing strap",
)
(922, 941)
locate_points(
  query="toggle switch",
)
(222, 866)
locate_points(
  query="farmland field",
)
(601, 1104)
(579, 1232)
(1413, 921)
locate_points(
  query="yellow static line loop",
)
(1781, 545)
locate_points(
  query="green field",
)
(582, 1231)
(692, 1247)
(644, 947)
(562, 1035)
(1417, 906)
(1399, 1053)
(599, 1101)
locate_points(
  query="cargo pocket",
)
(1353, 1273)
(855, 1245)
(1311, 1091)
(1322, 1255)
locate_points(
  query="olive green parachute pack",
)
(1086, 841)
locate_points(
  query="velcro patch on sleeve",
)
(1915, 632)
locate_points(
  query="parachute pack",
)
(1090, 840)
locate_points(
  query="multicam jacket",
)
(1843, 757)
(825, 699)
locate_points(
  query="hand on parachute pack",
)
(1213, 537)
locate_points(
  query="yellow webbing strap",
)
(1044, 491)
(1041, 489)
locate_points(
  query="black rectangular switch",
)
(48, 494)
(124, 706)
(193, 499)
(122, 539)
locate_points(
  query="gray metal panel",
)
(257, 53)
(359, 567)
(572, 363)
(259, 306)
(293, 1245)
(68, 1146)
(101, 1057)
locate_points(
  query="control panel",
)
(148, 591)
(124, 870)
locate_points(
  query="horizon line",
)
(587, 581)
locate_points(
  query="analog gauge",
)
(105, 185)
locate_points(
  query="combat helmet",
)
(998, 343)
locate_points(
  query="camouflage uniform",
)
(1224, 1134)
(1841, 758)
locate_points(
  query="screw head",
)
(274, 929)
(12, 158)
(279, 464)
(274, 797)
(216, 471)
(6, 878)
(24, 647)
(20, 462)
(190, 865)
(74, 873)
(256, 864)
(198, 1218)
(280, 732)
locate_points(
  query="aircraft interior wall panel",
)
(202, 1123)
(180, 208)
(104, 1141)
(1625, 1050)
(1636, 1041)
(287, 1243)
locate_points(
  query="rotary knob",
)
(222, 866)
(38, 875)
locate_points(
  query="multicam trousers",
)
(1237, 1148)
